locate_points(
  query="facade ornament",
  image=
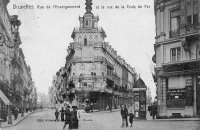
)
(185, 45)
(88, 7)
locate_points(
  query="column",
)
(195, 95)
(199, 11)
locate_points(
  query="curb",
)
(19, 120)
(108, 111)
(160, 120)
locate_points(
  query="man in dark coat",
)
(154, 110)
(124, 114)
(16, 112)
(149, 109)
(56, 114)
(67, 116)
(62, 111)
(74, 119)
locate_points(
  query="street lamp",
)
(9, 112)
(22, 115)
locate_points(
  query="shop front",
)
(180, 96)
(198, 95)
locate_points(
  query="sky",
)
(46, 34)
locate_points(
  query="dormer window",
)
(85, 41)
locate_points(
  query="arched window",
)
(86, 22)
(85, 41)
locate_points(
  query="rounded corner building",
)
(99, 75)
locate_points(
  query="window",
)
(192, 13)
(175, 20)
(175, 54)
(195, 14)
(85, 41)
(189, 14)
(198, 50)
(86, 22)
(85, 84)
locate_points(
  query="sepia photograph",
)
(100, 64)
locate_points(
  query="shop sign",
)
(176, 93)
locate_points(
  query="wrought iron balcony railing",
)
(174, 33)
(187, 29)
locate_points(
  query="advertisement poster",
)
(75, 64)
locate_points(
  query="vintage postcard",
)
(99, 64)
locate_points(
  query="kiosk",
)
(140, 99)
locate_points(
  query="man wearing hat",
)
(74, 120)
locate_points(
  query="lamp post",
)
(9, 112)
(22, 115)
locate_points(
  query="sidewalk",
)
(149, 118)
(15, 122)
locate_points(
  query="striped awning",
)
(4, 98)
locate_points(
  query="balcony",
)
(190, 29)
(87, 77)
(89, 59)
(174, 33)
(98, 44)
(182, 68)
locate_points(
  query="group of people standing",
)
(125, 114)
(70, 117)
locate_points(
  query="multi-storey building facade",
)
(15, 76)
(177, 58)
(94, 70)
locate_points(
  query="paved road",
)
(101, 121)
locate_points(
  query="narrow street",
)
(100, 121)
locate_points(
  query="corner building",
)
(177, 57)
(99, 74)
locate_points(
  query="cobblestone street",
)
(100, 121)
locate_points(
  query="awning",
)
(4, 98)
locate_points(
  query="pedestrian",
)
(16, 112)
(56, 114)
(74, 120)
(67, 116)
(62, 115)
(154, 111)
(91, 106)
(149, 109)
(124, 114)
(131, 116)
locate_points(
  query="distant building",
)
(177, 57)
(42, 100)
